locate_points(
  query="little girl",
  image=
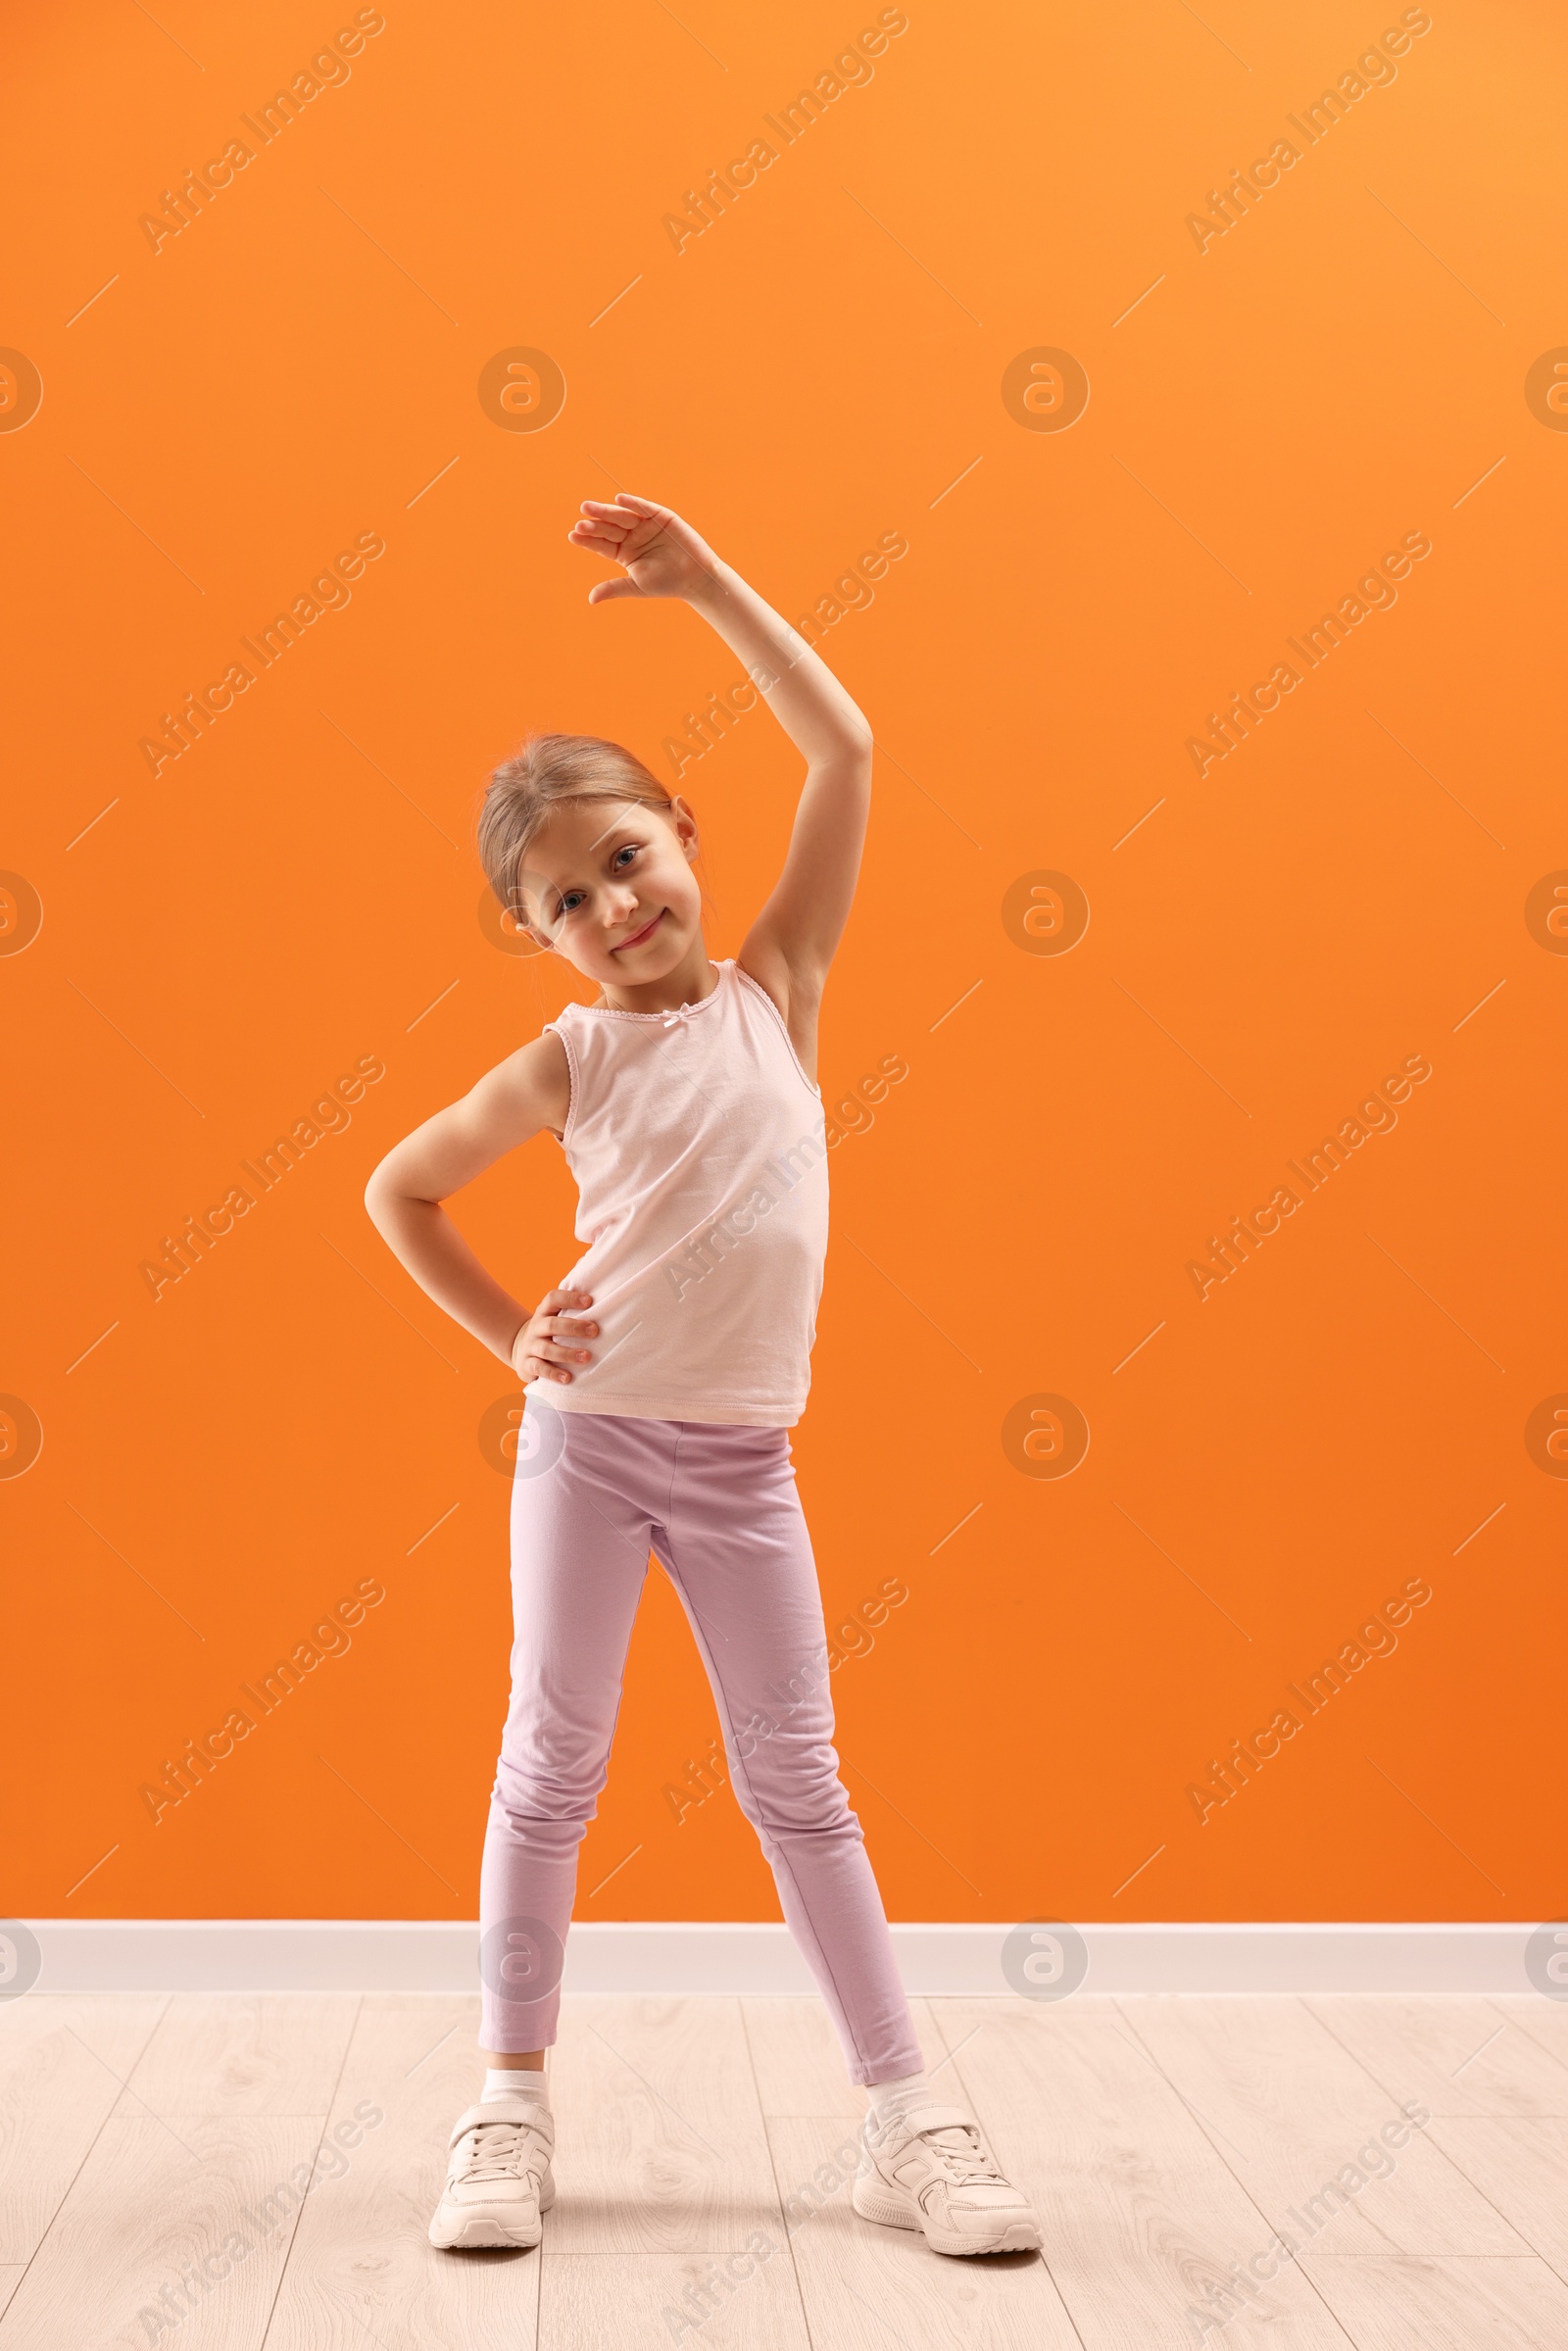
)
(684, 1100)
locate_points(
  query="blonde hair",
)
(547, 770)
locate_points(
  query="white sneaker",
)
(931, 2170)
(498, 2176)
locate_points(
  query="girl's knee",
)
(810, 1805)
(528, 1797)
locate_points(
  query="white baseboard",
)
(959, 1960)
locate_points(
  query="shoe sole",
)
(882, 2204)
(476, 2228)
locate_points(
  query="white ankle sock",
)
(891, 2099)
(516, 2082)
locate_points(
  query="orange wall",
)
(1270, 412)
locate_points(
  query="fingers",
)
(554, 1306)
(606, 540)
(555, 1324)
(627, 514)
(626, 531)
(611, 527)
(624, 499)
(575, 1330)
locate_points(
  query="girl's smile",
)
(647, 932)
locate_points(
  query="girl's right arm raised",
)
(523, 1096)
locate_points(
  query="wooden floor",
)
(1163, 2141)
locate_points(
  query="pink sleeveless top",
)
(699, 1148)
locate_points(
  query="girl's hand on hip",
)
(663, 555)
(540, 1348)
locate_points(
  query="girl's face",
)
(608, 884)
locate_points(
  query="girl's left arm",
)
(802, 922)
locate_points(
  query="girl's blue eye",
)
(568, 905)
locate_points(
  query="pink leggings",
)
(592, 1492)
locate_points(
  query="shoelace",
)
(962, 2154)
(496, 2151)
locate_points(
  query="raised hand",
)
(663, 555)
